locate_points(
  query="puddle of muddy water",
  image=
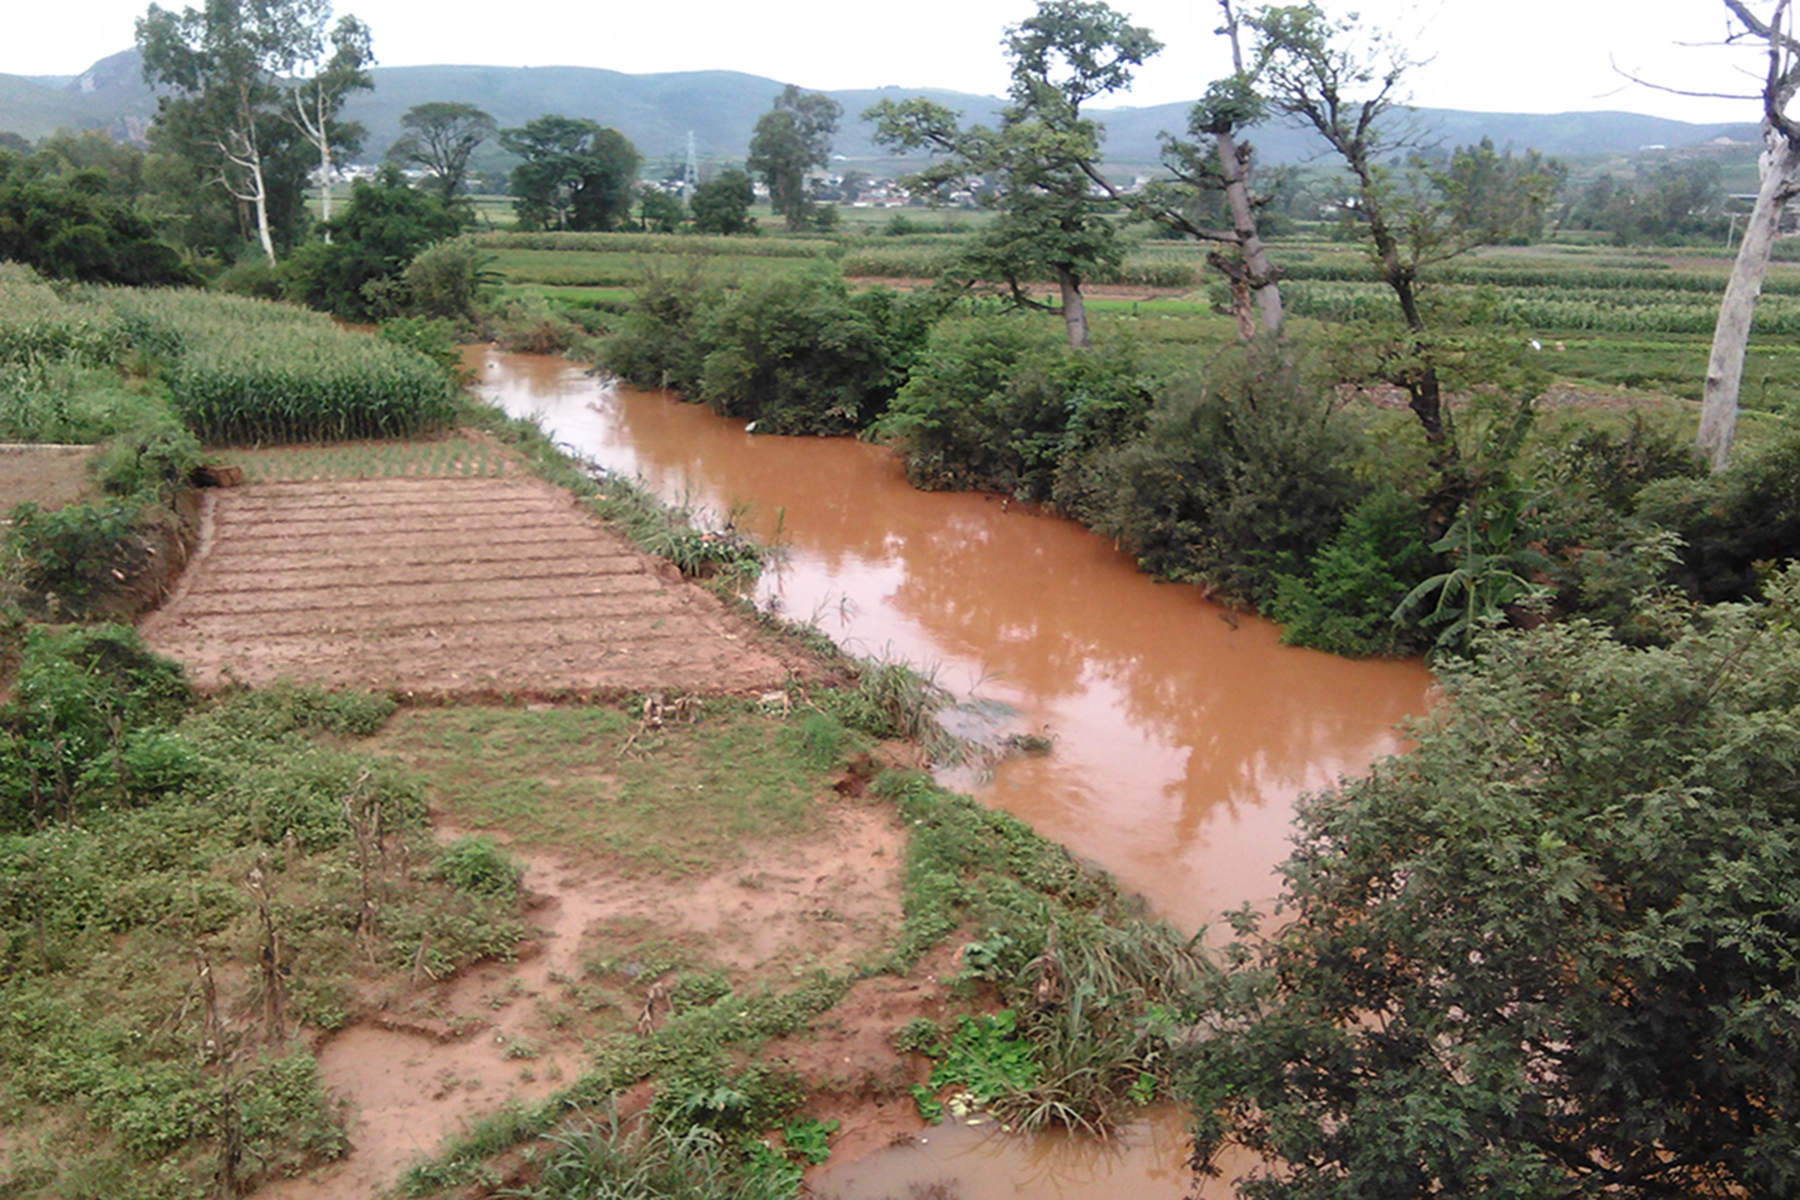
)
(1145, 1161)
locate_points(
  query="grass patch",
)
(681, 799)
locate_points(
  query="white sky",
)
(1492, 55)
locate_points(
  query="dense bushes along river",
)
(1222, 466)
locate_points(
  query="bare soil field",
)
(444, 586)
(49, 476)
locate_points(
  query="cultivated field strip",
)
(443, 586)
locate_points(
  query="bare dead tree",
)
(1778, 171)
(362, 810)
(271, 954)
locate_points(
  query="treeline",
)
(1246, 474)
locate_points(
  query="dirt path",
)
(443, 586)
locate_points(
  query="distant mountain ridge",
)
(720, 108)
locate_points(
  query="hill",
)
(720, 108)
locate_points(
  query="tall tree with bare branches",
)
(1778, 171)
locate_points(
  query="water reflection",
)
(1183, 732)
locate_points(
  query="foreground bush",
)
(1552, 950)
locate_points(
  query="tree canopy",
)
(790, 139)
(1042, 158)
(225, 64)
(1550, 951)
(722, 203)
(577, 174)
(440, 136)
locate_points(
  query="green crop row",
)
(1160, 268)
(657, 243)
(1646, 276)
(238, 370)
(1584, 310)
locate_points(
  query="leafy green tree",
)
(660, 211)
(790, 139)
(440, 136)
(577, 174)
(1343, 82)
(1043, 158)
(71, 228)
(323, 73)
(223, 63)
(1552, 950)
(385, 226)
(722, 204)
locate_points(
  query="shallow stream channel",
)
(1180, 732)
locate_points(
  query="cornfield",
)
(37, 325)
(238, 370)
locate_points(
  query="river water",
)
(1182, 732)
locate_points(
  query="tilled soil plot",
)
(443, 586)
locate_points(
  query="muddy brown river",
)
(1182, 732)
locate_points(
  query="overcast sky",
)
(1491, 55)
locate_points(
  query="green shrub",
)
(1002, 403)
(1732, 522)
(1234, 483)
(152, 460)
(253, 276)
(476, 864)
(531, 325)
(79, 729)
(452, 281)
(804, 355)
(70, 553)
(1345, 602)
(656, 343)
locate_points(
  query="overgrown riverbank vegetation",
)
(1549, 951)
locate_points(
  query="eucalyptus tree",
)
(1778, 172)
(226, 64)
(323, 73)
(1043, 159)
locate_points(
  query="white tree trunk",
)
(260, 197)
(1731, 336)
(325, 174)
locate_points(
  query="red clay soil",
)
(444, 587)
